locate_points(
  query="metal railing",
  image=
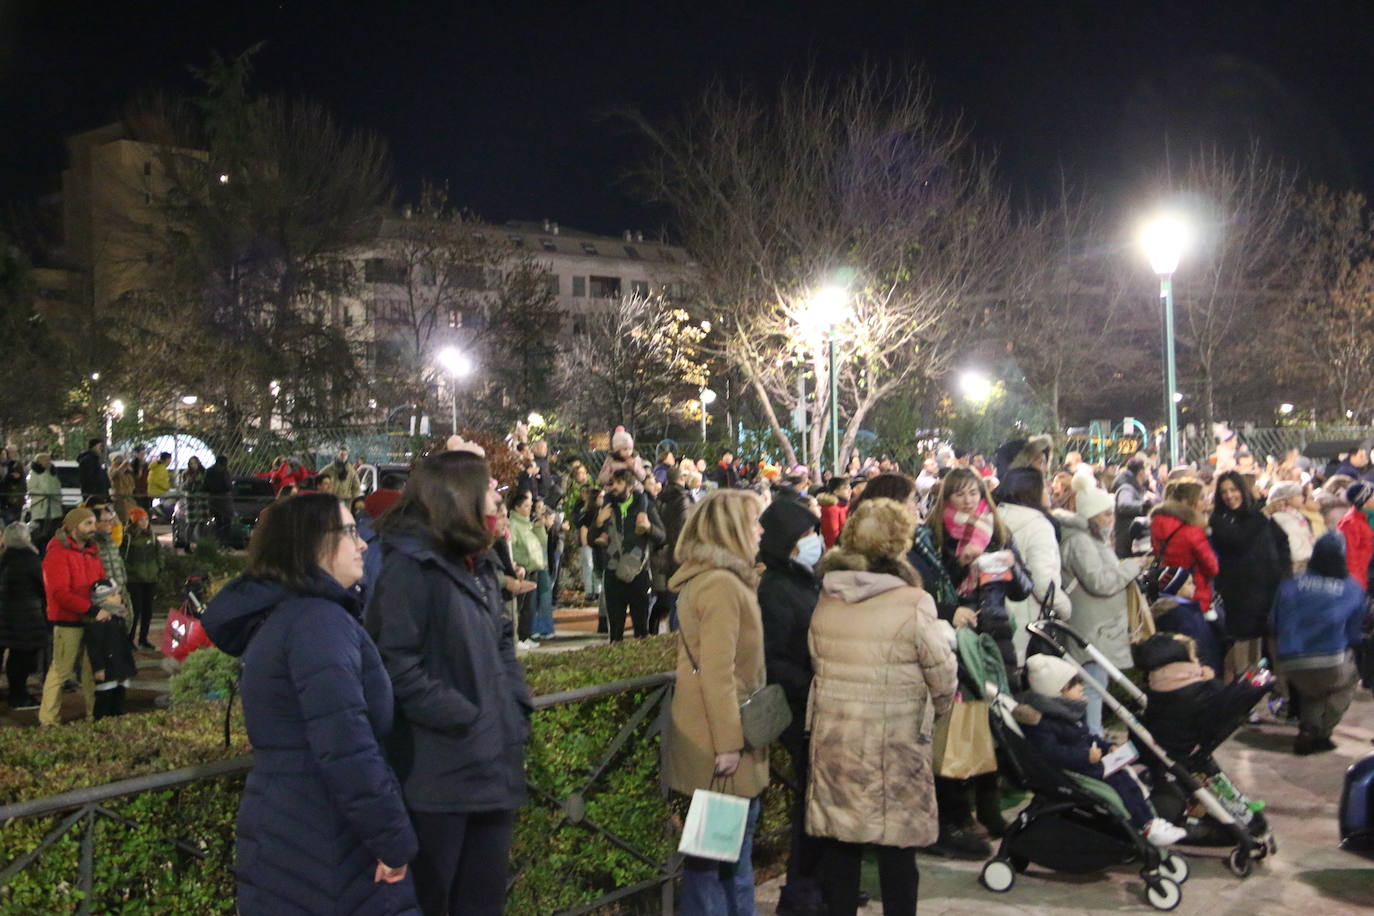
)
(81, 810)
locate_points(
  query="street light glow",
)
(455, 362)
(535, 418)
(829, 307)
(975, 386)
(189, 400)
(1164, 238)
(1285, 408)
(708, 396)
(1178, 396)
(117, 407)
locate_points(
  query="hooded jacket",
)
(833, 515)
(787, 597)
(45, 493)
(23, 624)
(883, 673)
(672, 504)
(1317, 616)
(1182, 529)
(1033, 534)
(462, 702)
(1359, 544)
(68, 573)
(320, 806)
(1096, 581)
(1062, 735)
(95, 480)
(719, 628)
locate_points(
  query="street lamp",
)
(708, 397)
(829, 308)
(457, 365)
(1163, 240)
(535, 419)
(975, 386)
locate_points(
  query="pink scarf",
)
(972, 533)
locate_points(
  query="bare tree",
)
(1331, 318)
(1066, 302)
(1240, 268)
(638, 364)
(856, 182)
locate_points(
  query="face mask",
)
(809, 550)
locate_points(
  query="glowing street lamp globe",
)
(975, 386)
(454, 362)
(1164, 240)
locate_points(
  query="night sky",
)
(506, 101)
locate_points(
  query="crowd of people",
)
(388, 710)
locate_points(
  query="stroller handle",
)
(1052, 629)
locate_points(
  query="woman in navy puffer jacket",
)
(322, 828)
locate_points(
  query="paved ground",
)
(1310, 875)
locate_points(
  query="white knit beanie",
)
(1094, 501)
(621, 439)
(1048, 674)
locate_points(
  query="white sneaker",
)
(526, 644)
(1162, 833)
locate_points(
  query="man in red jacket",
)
(70, 567)
(1359, 534)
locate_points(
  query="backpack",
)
(1149, 579)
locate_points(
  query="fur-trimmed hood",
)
(705, 558)
(1181, 511)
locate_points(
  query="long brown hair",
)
(446, 497)
(956, 480)
(290, 538)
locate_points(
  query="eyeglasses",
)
(349, 531)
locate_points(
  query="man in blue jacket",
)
(1316, 621)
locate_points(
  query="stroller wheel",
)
(1240, 863)
(1163, 894)
(1174, 867)
(998, 876)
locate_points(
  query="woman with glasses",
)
(463, 708)
(322, 827)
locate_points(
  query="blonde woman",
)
(883, 673)
(719, 664)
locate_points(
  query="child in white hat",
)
(1062, 736)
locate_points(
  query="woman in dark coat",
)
(322, 827)
(790, 547)
(1252, 554)
(463, 706)
(23, 618)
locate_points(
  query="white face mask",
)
(809, 550)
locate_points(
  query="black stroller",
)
(1073, 824)
(1178, 793)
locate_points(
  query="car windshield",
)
(69, 477)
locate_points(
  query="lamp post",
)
(708, 397)
(457, 365)
(829, 308)
(1164, 239)
(190, 400)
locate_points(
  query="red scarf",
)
(970, 530)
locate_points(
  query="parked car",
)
(370, 475)
(248, 496)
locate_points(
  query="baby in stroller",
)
(1062, 737)
(1191, 712)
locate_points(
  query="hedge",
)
(556, 864)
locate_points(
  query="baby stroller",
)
(1073, 824)
(1212, 810)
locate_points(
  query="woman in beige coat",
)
(719, 664)
(883, 673)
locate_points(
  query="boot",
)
(959, 843)
(1305, 743)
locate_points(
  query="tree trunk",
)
(771, 415)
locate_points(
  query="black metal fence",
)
(82, 810)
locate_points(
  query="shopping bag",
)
(182, 635)
(715, 826)
(962, 744)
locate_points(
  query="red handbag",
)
(182, 635)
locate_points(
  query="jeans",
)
(524, 616)
(591, 583)
(543, 604)
(1094, 716)
(711, 888)
(462, 863)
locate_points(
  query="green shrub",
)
(556, 864)
(207, 674)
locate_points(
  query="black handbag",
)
(764, 714)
